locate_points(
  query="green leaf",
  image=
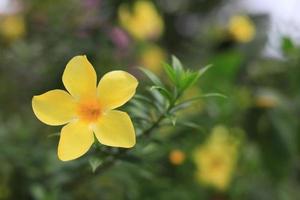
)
(189, 80)
(181, 106)
(170, 72)
(287, 45)
(95, 163)
(159, 99)
(214, 95)
(226, 66)
(139, 103)
(142, 98)
(191, 125)
(163, 91)
(178, 70)
(176, 64)
(138, 113)
(204, 69)
(172, 118)
(151, 76)
(54, 135)
(189, 102)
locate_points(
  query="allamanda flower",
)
(242, 28)
(12, 27)
(216, 159)
(143, 21)
(176, 157)
(152, 57)
(87, 109)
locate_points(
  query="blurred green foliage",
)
(263, 101)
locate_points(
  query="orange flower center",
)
(89, 111)
(216, 163)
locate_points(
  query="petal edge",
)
(116, 88)
(75, 140)
(115, 129)
(55, 107)
(79, 77)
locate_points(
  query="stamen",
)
(89, 111)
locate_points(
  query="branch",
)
(110, 161)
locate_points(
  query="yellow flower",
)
(176, 157)
(216, 159)
(12, 27)
(152, 58)
(143, 22)
(88, 109)
(242, 28)
(266, 100)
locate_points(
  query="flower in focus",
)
(241, 28)
(176, 157)
(143, 22)
(152, 58)
(87, 109)
(216, 158)
(12, 27)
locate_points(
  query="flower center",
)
(89, 111)
(216, 163)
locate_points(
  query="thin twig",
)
(112, 159)
(110, 162)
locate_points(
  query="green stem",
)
(107, 164)
(110, 162)
(112, 159)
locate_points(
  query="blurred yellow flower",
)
(176, 157)
(12, 27)
(266, 101)
(88, 109)
(152, 58)
(242, 28)
(216, 158)
(143, 22)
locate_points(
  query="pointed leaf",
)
(215, 95)
(173, 119)
(151, 76)
(204, 69)
(170, 72)
(54, 135)
(189, 80)
(163, 91)
(176, 64)
(191, 125)
(189, 102)
(95, 163)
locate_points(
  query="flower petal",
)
(115, 129)
(116, 88)
(75, 140)
(79, 77)
(55, 107)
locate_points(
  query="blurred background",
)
(248, 144)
